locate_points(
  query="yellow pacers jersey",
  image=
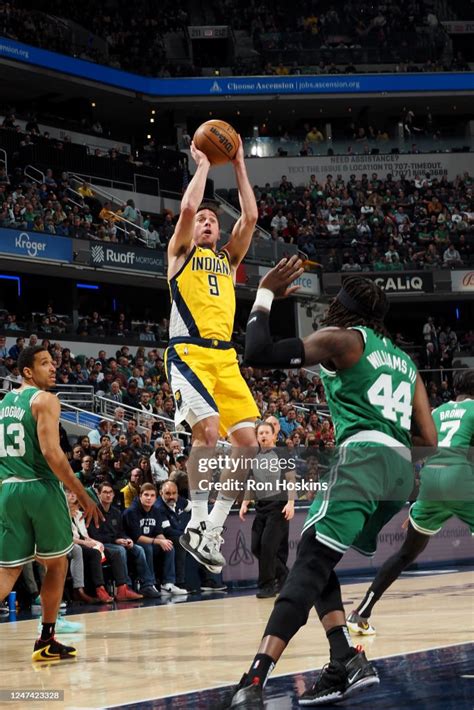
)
(203, 296)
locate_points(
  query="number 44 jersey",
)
(375, 394)
(20, 452)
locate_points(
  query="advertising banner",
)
(406, 282)
(462, 281)
(35, 245)
(237, 86)
(454, 542)
(128, 258)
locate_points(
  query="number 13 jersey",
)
(375, 394)
(20, 452)
(203, 296)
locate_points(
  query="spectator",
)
(116, 546)
(95, 435)
(87, 557)
(288, 424)
(160, 467)
(175, 515)
(143, 523)
(451, 257)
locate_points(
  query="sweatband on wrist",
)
(264, 298)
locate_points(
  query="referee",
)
(274, 509)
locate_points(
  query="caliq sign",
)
(404, 283)
(462, 281)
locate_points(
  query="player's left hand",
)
(282, 275)
(240, 155)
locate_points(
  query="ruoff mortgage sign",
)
(119, 257)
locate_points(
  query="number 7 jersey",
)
(20, 452)
(203, 296)
(375, 394)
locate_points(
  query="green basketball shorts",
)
(34, 522)
(445, 491)
(367, 485)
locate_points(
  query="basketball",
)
(218, 140)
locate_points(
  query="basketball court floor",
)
(186, 655)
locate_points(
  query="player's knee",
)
(206, 433)
(287, 618)
(56, 565)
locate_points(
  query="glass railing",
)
(266, 147)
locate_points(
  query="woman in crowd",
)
(144, 465)
(86, 553)
(104, 462)
(85, 444)
(76, 458)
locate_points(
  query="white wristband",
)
(264, 298)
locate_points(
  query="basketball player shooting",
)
(201, 363)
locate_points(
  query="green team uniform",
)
(34, 514)
(371, 480)
(447, 479)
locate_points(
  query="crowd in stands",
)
(49, 323)
(133, 38)
(353, 224)
(53, 208)
(132, 35)
(373, 223)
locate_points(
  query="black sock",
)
(340, 643)
(260, 669)
(367, 604)
(47, 632)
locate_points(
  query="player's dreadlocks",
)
(464, 382)
(359, 302)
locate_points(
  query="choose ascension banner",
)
(237, 86)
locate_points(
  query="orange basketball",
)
(218, 140)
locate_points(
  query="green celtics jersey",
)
(454, 423)
(20, 453)
(375, 394)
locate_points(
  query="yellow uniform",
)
(201, 364)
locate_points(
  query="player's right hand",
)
(243, 510)
(282, 275)
(91, 512)
(198, 156)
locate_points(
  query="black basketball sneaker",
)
(247, 697)
(339, 680)
(52, 650)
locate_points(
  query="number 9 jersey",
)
(203, 296)
(20, 453)
(372, 400)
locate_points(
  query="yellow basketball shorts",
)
(206, 382)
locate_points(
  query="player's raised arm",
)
(180, 242)
(338, 347)
(243, 230)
